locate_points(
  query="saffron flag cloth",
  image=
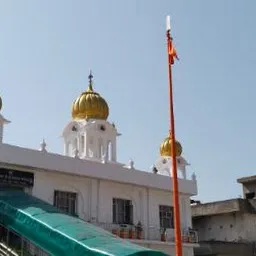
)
(172, 52)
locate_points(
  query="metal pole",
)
(177, 229)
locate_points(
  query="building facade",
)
(228, 226)
(87, 181)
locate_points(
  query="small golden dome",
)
(165, 148)
(90, 105)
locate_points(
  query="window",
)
(250, 195)
(166, 216)
(66, 201)
(122, 211)
(102, 127)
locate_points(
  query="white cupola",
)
(89, 134)
(3, 122)
(164, 162)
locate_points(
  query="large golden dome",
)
(165, 148)
(90, 105)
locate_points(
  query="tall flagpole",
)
(177, 229)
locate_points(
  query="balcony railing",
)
(151, 233)
(188, 235)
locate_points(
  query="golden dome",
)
(90, 105)
(165, 148)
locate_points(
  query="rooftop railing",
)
(151, 233)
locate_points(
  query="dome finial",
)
(90, 105)
(90, 81)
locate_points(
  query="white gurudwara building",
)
(87, 181)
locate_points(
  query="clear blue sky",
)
(47, 48)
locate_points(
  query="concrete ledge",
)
(194, 245)
(248, 179)
(222, 207)
(34, 159)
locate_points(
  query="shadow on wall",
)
(219, 248)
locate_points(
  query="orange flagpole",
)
(177, 228)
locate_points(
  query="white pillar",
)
(66, 148)
(1, 133)
(113, 153)
(3, 121)
(98, 202)
(79, 143)
(148, 220)
(86, 145)
(184, 173)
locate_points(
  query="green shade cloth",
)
(58, 233)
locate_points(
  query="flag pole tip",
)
(168, 23)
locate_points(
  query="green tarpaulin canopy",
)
(60, 234)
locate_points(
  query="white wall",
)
(95, 198)
(158, 197)
(94, 138)
(34, 159)
(47, 182)
(108, 190)
(95, 202)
